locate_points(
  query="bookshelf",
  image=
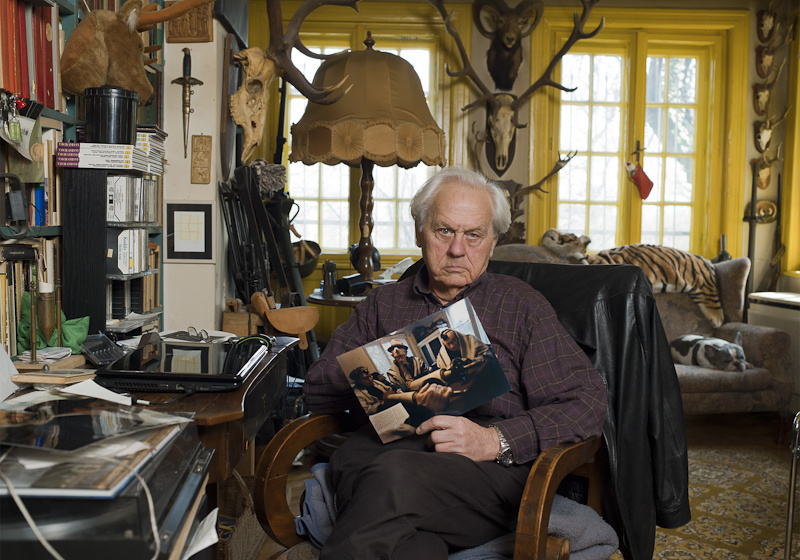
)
(79, 230)
(93, 285)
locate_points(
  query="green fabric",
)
(73, 332)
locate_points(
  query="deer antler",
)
(546, 78)
(281, 45)
(150, 15)
(557, 166)
(467, 70)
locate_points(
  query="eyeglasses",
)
(201, 336)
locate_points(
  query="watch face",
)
(506, 459)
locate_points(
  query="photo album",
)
(442, 364)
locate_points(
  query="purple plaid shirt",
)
(556, 394)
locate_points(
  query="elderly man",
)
(404, 369)
(457, 483)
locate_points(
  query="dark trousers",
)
(401, 501)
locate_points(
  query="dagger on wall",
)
(186, 81)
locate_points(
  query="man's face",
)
(399, 353)
(449, 339)
(364, 378)
(458, 240)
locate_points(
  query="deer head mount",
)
(506, 27)
(503, 108)
(106, 49)
(248, 106)
(763, 130)
(764, 167)
(765, 54)
(762, 92)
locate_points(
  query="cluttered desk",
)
(101, 477)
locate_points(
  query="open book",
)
(442, 364)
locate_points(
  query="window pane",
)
(575, 74)
(680, 130)
(307, 65)
(574, 128)
(652, 166)
(677, 225)
(304, 180)
(384, 178)
(654, 129)
(335, 181)
(656, 75)
(607, 80)
(420, 59)
(572, 180)
(334, 222)
(410, 180)
(405, 227)
(682, 80)
(605, 129)
(307, 220)
(651, 224)
(384, 216)
(572, 218)
(602, 226)
(679, 180)
(605, 179)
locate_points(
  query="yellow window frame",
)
(725, 34)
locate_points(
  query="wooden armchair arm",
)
(269, 491)
(549, 469)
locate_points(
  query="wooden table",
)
(227, 422)
(335, 301)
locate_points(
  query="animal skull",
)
(762, 92)
(248, 105)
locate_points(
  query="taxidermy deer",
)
(765, 54)
(763, 92)
(763, 130)
(106, 49)
(506, 27)
(248, 105)
(764, 167)
(503, 108)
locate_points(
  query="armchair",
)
(636, 477)
(766, 385)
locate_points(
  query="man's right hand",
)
(434, 397)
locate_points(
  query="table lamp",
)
(383, 119)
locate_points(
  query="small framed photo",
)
(190, 227)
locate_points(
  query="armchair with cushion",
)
(635, 475)
(766, 384)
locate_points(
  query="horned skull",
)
(248, 105)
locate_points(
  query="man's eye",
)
(445, 231)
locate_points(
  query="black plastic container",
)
(110, 115)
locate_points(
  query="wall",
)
(193, 291)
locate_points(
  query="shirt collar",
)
(421, 286)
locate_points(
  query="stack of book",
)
(101, 156)
(150, 139)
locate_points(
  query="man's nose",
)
(457, 245)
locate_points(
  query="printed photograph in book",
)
(442, 364)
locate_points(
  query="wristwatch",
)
(504, 456)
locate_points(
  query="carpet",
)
(738, 490)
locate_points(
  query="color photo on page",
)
(442, 364)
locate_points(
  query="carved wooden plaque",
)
(195, 26)
(201, 159)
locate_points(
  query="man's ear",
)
(494, 244)
(416, 238)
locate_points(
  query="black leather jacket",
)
(610, 311)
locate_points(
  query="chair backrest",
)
(680, 315)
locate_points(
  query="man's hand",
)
(456, 434)
(434, 397)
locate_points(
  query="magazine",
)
(442, 364)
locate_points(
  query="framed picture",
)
(195, 26)
(190, 227)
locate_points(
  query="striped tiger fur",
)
(671, 270)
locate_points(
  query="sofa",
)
(767, 383)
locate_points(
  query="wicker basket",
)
(243, 537)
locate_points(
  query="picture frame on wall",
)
(189, 233)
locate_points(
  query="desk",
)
(227, 422)
(335, 301)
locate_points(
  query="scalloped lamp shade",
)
(384, 116)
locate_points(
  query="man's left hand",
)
(456, 434)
